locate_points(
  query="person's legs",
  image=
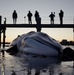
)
(15, 21)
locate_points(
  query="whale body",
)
(35, 43)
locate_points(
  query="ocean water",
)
(30, 65)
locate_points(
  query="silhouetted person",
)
(39, 25)
(29, 17)
(61, 14)
(37, 17)
(14, 16)
(52, 15)
(38, 21)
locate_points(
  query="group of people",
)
(37, 17)
(52, 15)
(29, 15)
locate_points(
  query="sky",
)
(44, 7)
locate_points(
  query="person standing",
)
(37, 17)
(38, 21)
(14, 16)
(29, 17)
(52, 15)
(61, 14)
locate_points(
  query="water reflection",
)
(30, 65)
(47, 65)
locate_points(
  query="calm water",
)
(30, 65)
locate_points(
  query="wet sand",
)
(21, 67)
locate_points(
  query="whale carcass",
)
(35, 43)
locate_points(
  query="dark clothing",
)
(36, 17)
(14, 16)
(39, 25)
(29, 17)
(38, 21)
(61, 14)
(52, 18)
